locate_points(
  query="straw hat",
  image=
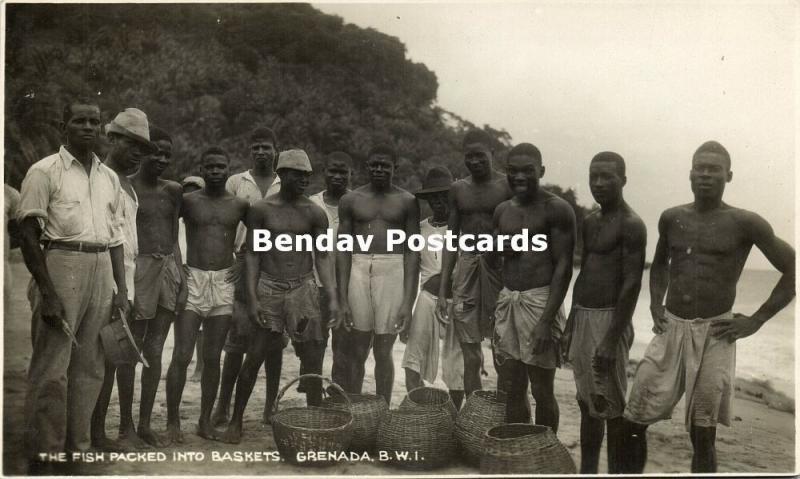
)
(132, 123)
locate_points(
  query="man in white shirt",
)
(421, 357)
(129, 135)
(337, 172)
(69, 202)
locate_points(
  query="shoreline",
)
(761, 439)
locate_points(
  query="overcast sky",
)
(651, 82)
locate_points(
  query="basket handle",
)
(317, 376)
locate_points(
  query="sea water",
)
(766, 355)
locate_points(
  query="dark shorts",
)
(291, 306)
(476, 285)
(157, 281)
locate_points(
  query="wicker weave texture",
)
(311, 429)
(430, 399)
(524, 449)
(482, 411)
(368, 411)
(425, 435)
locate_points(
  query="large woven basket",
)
(429, 399)
(311, 429)
(482, 411)
(524, 449)
(368, 410)
(417, 438)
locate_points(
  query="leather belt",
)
(80, 246)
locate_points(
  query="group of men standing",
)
(101, 241)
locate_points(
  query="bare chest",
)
(390, 210)
(514, 219)
(694, 235)
(220, 213)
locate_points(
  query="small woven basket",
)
(524, 449)
(482, 411)
(429, 399)
(418, 439)
(368, 410)
(311, 429)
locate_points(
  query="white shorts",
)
(210, 292)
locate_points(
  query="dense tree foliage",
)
(209, 73)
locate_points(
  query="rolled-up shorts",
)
(158, 280)
(602, 391)
(290, 306)
(422, 349)
(685, 357)
(375, 294)
(516, 316)
(476, 285)
(210, 292)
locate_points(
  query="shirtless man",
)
(252, 185)
(469, 278)
(701, 251)
(129, 136)
(160, 279)
(282, 295)
(373, 302)
(599, 332)
(212, 216)
(529, 319)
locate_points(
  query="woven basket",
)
(311, 429)
(429, 399)
(524, 449)
(425, 436)
(368, 410)
(482, 411)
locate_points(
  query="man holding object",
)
(701, 251)
(70, 202)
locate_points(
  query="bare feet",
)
(151, 437)
(219, 417)
(174, 434)
(232, 435)
(266, 419)
(104, 444)
(130, 440)
(206, 431)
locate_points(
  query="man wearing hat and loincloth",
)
(70, 202)
(421, 357)
(282, 296)
(160, 279)
(599, 333)
(472, 281)
(212, 216)
(377, 286)
(129, 138)
(252, 185)
(529, 317)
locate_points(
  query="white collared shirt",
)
(72, 205)
(244, 186)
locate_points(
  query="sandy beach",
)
(762, 439)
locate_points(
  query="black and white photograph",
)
(399, 239)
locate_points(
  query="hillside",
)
(208, 73)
